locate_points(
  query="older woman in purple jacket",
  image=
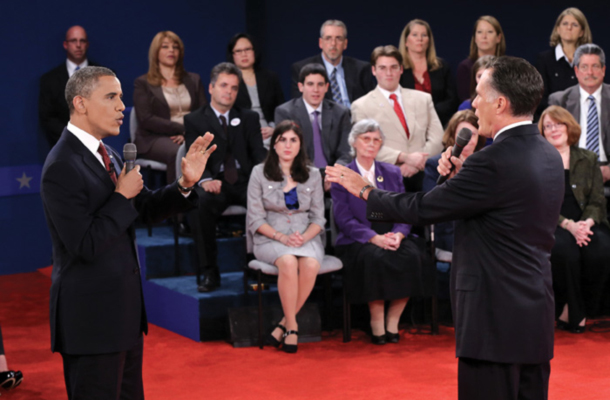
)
(383, 262)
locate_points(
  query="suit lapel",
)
(233, 131)
(379, 181)
(349, 70)
(409, 111)
(387, 110)
(157, 91)
(573, 103)
(605, 118)
(327, 128)
(303, 117)
(213, 120)
(92, 163)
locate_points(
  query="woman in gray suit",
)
(161, 99)
(284, 222)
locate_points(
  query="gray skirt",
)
(271, 251)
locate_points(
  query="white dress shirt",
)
(397, 92)
(507, 127)
(310, 111)
(88, 141)
(72, 66)
(368, 175)
(340, 79)
(584, 110)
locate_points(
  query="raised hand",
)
(352, 181)
(193, 164)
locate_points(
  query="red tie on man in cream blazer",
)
(399, 113)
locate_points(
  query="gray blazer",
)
(266, 204)
(336, 124)
(570, 100)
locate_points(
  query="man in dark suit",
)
(325, 124)
(225, 179)
(589, 103)
(507, 198)
(349, 78)
(97, 311)
(53, 112)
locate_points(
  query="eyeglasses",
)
(572, 25)
(368, 139)
(586, 68)
(392, 68)
(243, 51)
(552, 127)
(77, 41)
(338, 39)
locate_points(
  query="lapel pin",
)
(380, 178)
(235, 121)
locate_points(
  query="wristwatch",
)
(185, 190)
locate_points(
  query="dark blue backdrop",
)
(31, 35)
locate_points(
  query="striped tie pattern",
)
(592, 127)
(334, 88)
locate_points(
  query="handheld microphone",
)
(129, 155)
(462, 139)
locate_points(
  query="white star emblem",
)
(24, 181)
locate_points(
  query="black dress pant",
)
(580, 273)
(112, 376)
(203, 221)
(486, 380)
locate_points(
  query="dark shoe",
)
(209, 284)
(378, 339)
(290, 348)
(562, 325)
(271, 340)
(10, 379)
(566, 326)
(392, 337)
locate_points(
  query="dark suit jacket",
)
(270, 93)
(336, 125)
(444, 93)
(96, 303)
(507, 199)
(464, 73)
(53, 112)
(358, 76)
(556, 75)
(350, 211)
(245, 139)
(570, 100)
(153, 111)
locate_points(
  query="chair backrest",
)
(333, 226)
(133, 124)
(179, 154)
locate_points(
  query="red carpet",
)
(176, 368)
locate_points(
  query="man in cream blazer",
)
(407, 117)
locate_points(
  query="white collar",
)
(366, 173)
(310, 109)
(584, 94)
(511, 126)
(86, 139)
(329, 67)
(387, 94)
(218, 113)
(72, 66)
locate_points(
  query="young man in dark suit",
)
(237, 133)
(507, 199)
(326, 142)
(90, 202)
(349, 78)
(53, 111)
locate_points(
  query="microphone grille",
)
(129, 152)
(463, 137)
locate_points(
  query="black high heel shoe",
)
(271, 340)
(10, 379)
(290, 348)
(379, 340)
(392, 337)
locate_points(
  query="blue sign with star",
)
(20, 179)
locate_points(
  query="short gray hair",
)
(591, 49)
(333, 22)
(360, 128)
(224, 68)
(82, 83)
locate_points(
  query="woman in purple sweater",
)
(383, 262)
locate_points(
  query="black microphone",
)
(129, 155)
(462, 139)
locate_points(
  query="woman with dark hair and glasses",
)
(580, 258)
(383, 261)
(260, 89)
(284, 223)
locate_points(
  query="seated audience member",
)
(8, 379)
(424, 71)
(284, 221)
(161, 99)
(571, 30)
(589, 102)
(580, 258)
(407, 117)
(324, 123)
(383, 263)
(349, 78)
(259, 89)
(237, 133)
(53, 110)
(443, 232)
(477, 70)
(487, 39)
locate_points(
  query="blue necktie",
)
(334, 88)
(77, 68)
(319, 159)
(592, 127)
